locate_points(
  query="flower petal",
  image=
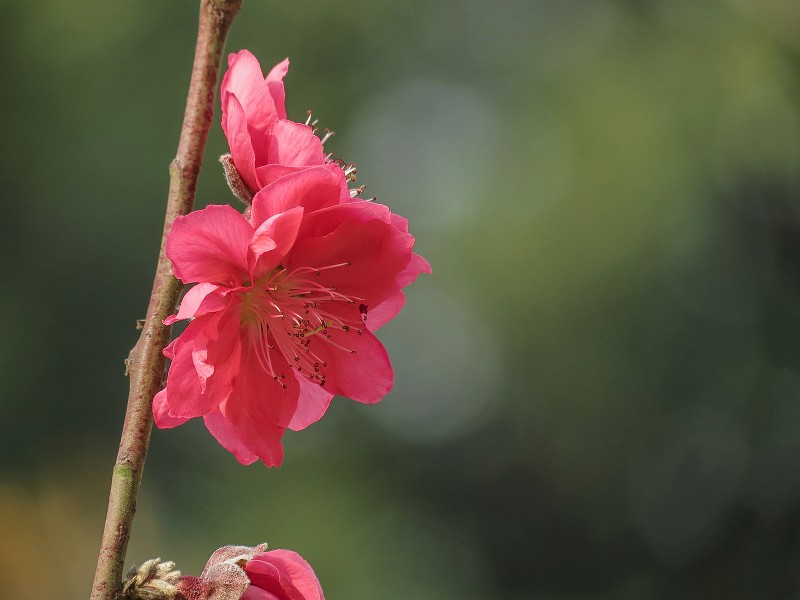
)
(256, 593)
(415, 267)
(357, 364)
(288, 569)
(374, 251)
(326, 220)
(385, 311)
(313, 188)
(259, 407)
(199, 300)
(275, 85)
(185, 398)
(312, 404)
(227, 436)
(257, 96)
(267, 174)
(161, 415)
(293, 143)
(240, 141)
(216, 356)
(210, 246)
(273, 240)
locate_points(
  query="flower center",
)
(285, 311)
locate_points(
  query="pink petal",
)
(326, 220)
(245, 81)
(299, 571)
(210, 246)
(401, 223)
(267, 577)
(313, 188)
(273, 240)
(276, 89)
(259, 407)
(240, 142)
(312, 404)
(169, 351)
(161, 414)
(266, 174)
(266, 444)
(269, 173)
(360, 371)
(289, 570)
(226, 435)
(385, 311)
(216, 355)
(415, 266)
(256, 593)
(375, 253)
(199, 300)
(185, 398)
(293, 143)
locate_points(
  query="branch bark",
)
(147, 362)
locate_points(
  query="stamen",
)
(290, 307)
(261, 348)
(328, 135)
(318, 269)
(332, 343)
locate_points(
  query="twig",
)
(146, 363)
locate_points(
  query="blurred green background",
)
(597, 393)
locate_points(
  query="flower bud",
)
(245, 573)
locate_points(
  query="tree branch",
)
(147, 362)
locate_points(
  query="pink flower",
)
(235, 572)
(283, 313)
(264, 144)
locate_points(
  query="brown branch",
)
(146, 362)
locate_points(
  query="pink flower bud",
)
(241, 572)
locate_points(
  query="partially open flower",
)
(242, 572)
(264, 144)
